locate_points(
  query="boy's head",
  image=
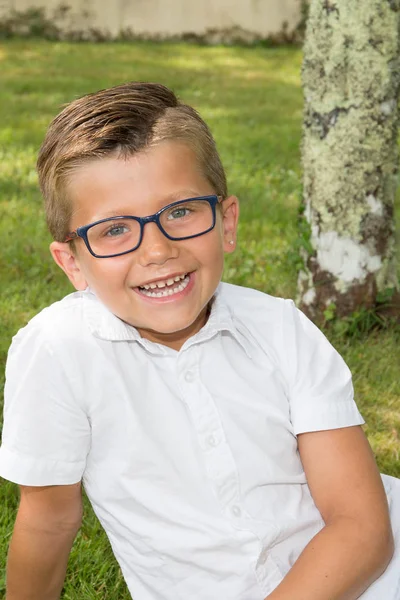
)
(111, 166)
(119, 121)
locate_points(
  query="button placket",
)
(217, 456)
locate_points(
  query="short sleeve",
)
(46, 432)
(320, 383)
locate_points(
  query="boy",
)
(213, 426)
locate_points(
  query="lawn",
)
(252, 99)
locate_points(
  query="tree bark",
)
(351, 82)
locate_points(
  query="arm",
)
(47, 522)
(356, 544)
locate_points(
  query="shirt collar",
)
(105, 325)
(221, 319)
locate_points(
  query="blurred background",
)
(160, 18)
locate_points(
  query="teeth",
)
(184, 279)
(162, 284)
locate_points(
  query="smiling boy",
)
(149, 180)
(212, 426)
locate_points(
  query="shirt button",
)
(212, 440)
(189, 376)
(236, 511)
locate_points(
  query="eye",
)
(179, 213)
(116, 230)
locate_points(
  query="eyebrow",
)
(174, 197)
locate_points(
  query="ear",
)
(67, 260)
(230, 217)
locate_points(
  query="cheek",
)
(105, 273)
(218, 250)
(213, 258)
(214, 244)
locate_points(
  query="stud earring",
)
(231, 242)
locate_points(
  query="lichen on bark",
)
(351, 82)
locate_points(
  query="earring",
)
(231, 242)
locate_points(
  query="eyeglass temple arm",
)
(71, 236)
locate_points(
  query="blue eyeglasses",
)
(180, 220)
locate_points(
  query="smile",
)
(168, 287)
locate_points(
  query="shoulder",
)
(253, 306)
(262, 320)
(55, 343)
(273, 323)
(56, 324)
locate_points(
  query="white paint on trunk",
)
(309, 296)
(345, 258)
(375, 205)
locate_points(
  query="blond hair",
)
(125, 120)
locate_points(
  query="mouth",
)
(165, 287)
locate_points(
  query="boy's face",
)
(140, 186)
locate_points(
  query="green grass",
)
(251, 97)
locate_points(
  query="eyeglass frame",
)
(81, 232)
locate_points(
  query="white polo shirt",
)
(189, 458)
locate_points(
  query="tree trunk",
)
(351, 81)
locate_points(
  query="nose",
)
(155, 247)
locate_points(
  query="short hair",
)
(124, 119)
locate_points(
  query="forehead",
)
(140, 184)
